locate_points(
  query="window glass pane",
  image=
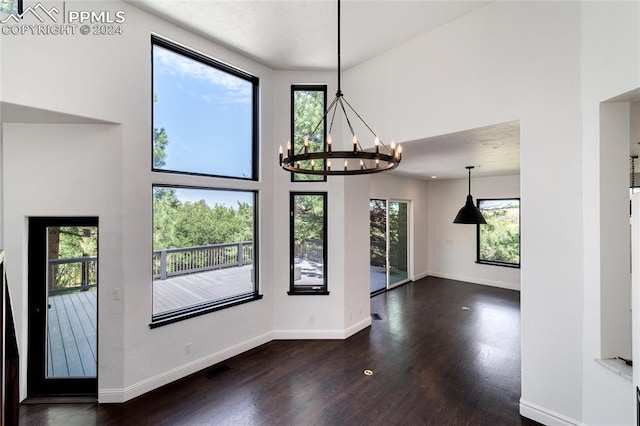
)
(308, 241)
(9, 6)
(398, 242)
(203, 247)
(307, 122)
(203, 117)
(499, 239)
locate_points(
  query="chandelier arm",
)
(328, 110)
(333, 116)
(361, 119)
(353, 133)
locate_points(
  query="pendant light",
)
(470, 214)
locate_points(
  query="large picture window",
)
(204, 250)
(308, 104)
(308, 274)
(205, 117)
(499, 239)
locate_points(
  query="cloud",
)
(237, 89)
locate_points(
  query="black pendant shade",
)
(470, 214)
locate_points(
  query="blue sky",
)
(213, 197)
(206, 113)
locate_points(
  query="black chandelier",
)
(353, 162)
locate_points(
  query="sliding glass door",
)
(389, 244)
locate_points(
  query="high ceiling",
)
(302, 35)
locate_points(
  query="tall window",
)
(205, 118)
(205, 123)
(307, 123)
(203, 250)
(499, 239)
(308, 273)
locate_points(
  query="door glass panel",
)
(72, 280)
(398, 242)
(378, 244)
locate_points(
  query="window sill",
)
(617, 366)
(202, 310)
(506, 265)
(305, 292)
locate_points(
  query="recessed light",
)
(434, 177)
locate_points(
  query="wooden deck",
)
(72, 326)
(193, 289)
(72, 335)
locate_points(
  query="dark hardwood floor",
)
(433, 363)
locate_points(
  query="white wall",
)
(452, 247)
(610, 64)
(509, 61)
(394, 187)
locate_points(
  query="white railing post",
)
(240, 254)
(163, 265)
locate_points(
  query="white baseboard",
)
(137, 389)
(472, 280)
(420, 276)
(322, 334)
(544, 416)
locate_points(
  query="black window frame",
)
(217, 305)
(493, 262)
(307, 289)
(310, 88)
(221, 66)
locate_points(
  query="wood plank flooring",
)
(433, 363)
(72, 337)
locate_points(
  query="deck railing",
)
(310, 249)
(72, 273)
(187, 260)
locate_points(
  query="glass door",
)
(398, 259)
(389, 244)
(378, 245)
(63, 281)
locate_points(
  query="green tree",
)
(500, 237)
(160, 142)
(165, 208)
(308, 110)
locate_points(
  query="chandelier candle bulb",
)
(345, 165)
(288, 149)
(306, 144)
(393, 148)
(377, 163)
(329, 142)
(313, 165)
(361, 164)
(355, 143)
(376, 142)
(329, 165)
(280, 154)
